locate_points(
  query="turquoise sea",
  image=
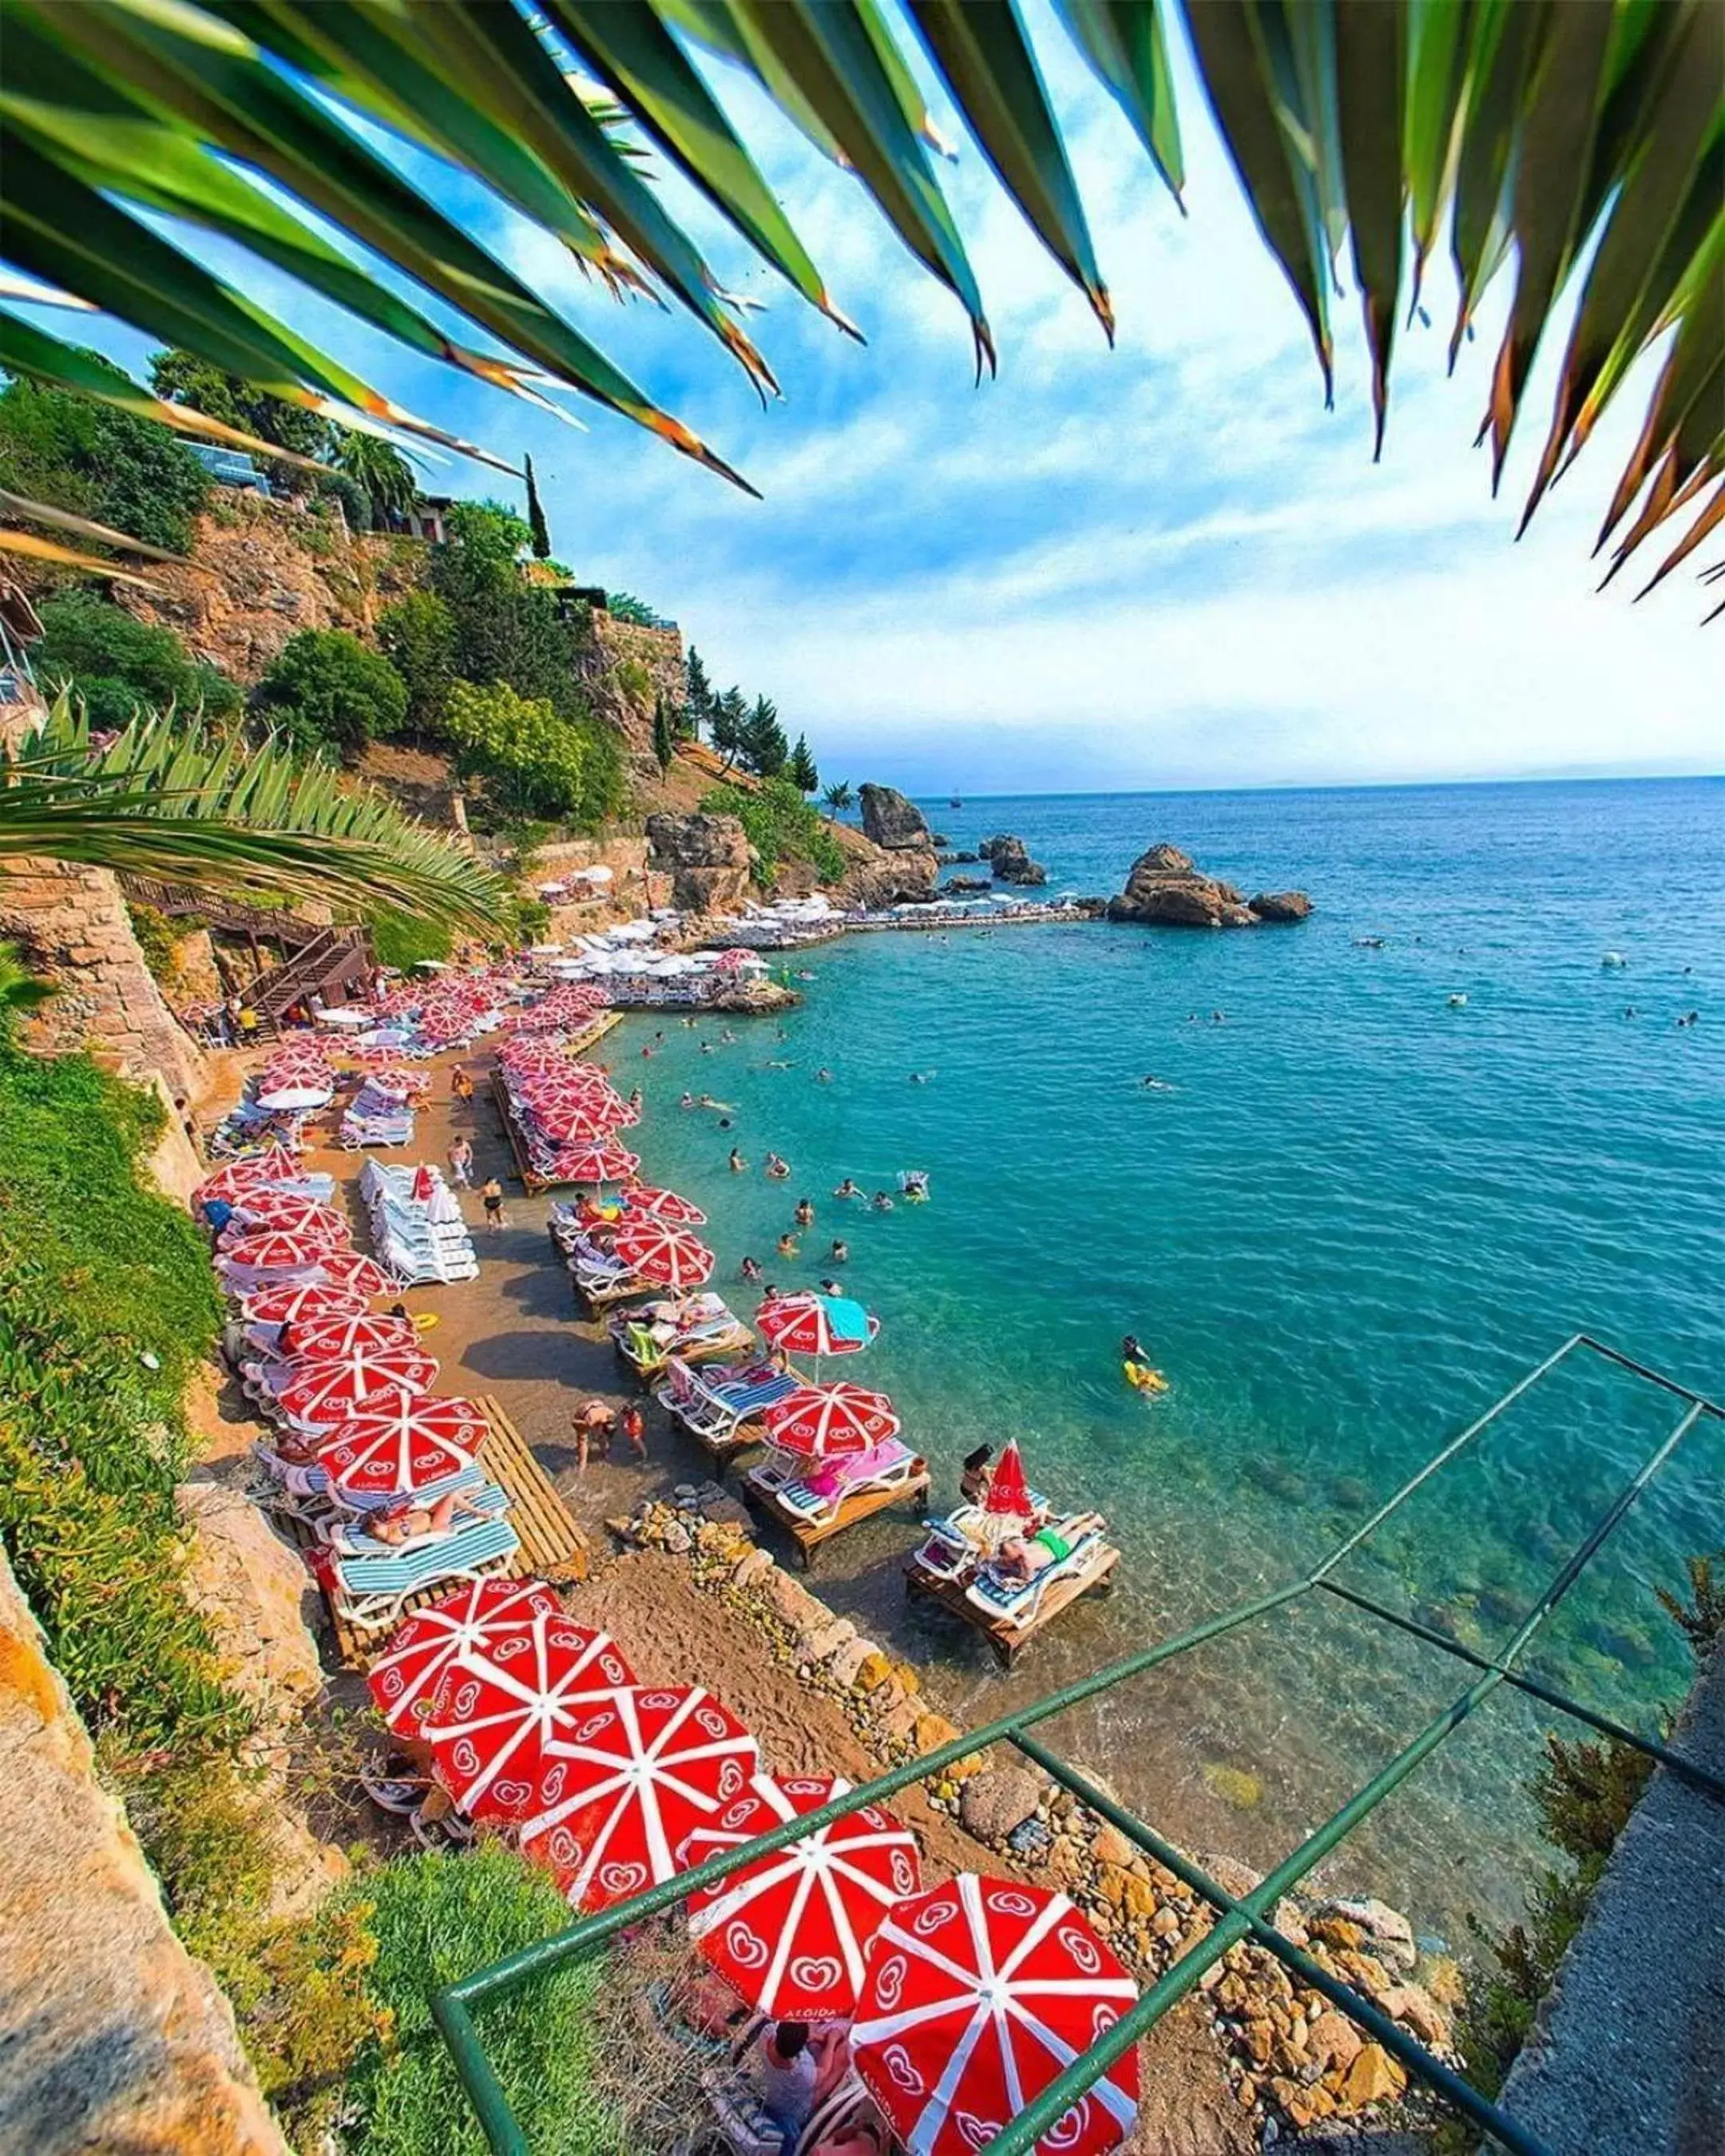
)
(1354, 1216)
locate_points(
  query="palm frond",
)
(163, 799)
(1540, 134)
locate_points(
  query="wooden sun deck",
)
(552, 1548)
(1009, 1641)
(808, 1536)
(577, 1044)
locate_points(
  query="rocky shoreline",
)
(1292, 2060)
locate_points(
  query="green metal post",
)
(1054, 2101)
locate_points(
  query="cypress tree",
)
(535, 516)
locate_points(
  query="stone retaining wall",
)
(111, 2036)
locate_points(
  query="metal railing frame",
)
(1243, 1919)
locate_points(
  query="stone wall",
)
(111, 2036)
(71, 927)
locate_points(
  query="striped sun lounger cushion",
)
(483, 1541)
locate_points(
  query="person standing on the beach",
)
(594, 1425)
(492, 1194)
(633, 1425)
(461, 1164)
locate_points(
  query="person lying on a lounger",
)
(1028, 1559)
(412, 1523)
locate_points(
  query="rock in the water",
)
(997, 1803)
(960, 884)
(1010, 860)
(1279, 906)
(1165, 886)
(708, 857)
(891, 821)
(1390, 1935)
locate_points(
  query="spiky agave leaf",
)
(189, 805)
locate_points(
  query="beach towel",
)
(846, 1318)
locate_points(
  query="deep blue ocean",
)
(1351, 1216)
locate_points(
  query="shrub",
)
(327, 692)
(533, 763)
(78, 454)
(117, 662)
(781, 826)
(438, 1917)
(402, 940)
(624, 606)
(418, 636)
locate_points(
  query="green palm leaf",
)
(164, 799)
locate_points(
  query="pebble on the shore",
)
(1293, 2058)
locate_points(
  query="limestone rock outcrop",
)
(884, 876)
(708, 857)
(1166, 887)
(1009, 858)
(116, 2038)
(255, 1595)
(891, 821)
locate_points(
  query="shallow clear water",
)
(1355, 1217)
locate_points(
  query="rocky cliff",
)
(895, 862)
(707, 859)
(1166, 887)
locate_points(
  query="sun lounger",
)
(368, 1592)
(351, 1538)
(956, 1545)
(714, 1407)
(815, 1493)
(1015, 1601)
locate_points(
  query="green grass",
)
(438, 1917)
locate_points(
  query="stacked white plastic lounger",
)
(378, 1116)
(417, 1240)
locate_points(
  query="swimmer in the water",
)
(805, 1213)
(687, 1100)
(750, 1269)
(839, 1255)
(847, 1189)
(738, 1162)
(779, 1169)
(882, 1203)
(822, 1077)
(788, 1244)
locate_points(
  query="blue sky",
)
(1166, 565)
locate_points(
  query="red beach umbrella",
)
(364, 1276)
(669, 1255)
(639, 1774)
(311, 1300)
(281, 1250)
(662, 1205)
(252, 1171)
(831, 1422)
(815, 1324)
(336, 1392)
(791, 1931)
(599, 1163)
(500, 1706)
(328, 1339)
(404, 1442)
(978, 1995)
(487, 1611)
(572, 1123)
(286, 1208)
(1009, 1492)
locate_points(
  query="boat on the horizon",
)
(955, 802)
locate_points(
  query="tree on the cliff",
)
(535, 516)
(698, 699)
(531, 762)
(665, 732)
(182, 378)
(839, 797)
(194, 805)
(120, 470)
(417, 632)
(800, 767)
(327, 692)
(381, 471)
(506, 630)
(765, 749)
(117, 665)
(728, 728)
